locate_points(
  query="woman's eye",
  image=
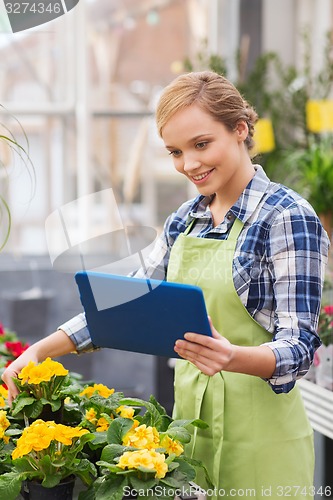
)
(175, 153)
(201, 145)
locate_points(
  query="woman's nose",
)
(191, 164)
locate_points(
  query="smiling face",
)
(211, 156)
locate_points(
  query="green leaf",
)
(113, 468)
(197, 422)
(172, 481)
(100, 438)
(86, 471)
(198, 463)
(55, 404)
(22, 465)
(172, 466)
(117, 430)
(111, 488)
(10, 485)
(142, 484)
(35, 409)
(88, 494)
(151, 417)
(20, 403)
(110, 403)
(186, 469)
(13, 432)
(46, 466)
(52, 480)
(164, 423)
(161, 410)
(179, 434)
(111, 451)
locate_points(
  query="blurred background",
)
(78, 95)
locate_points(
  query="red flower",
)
(16, 348)
(328, 309)
(2, 329)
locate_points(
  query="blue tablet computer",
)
(140, 315)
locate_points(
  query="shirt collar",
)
(244, 206)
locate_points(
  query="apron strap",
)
(200, 390)
(236, 228)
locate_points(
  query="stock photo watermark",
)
(88, 234)
(24, 15)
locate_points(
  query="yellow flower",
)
(3, 392)
(101, 389)
(39, 435)
(103, 425)
(21, 450)
(56, 368)
(125, 411)
(3, 395)
(171, 446)
(4, 422)
(149, 459)
(65, 434)
(142, 437)
(160, 466)
(42, 372)
(32, 374)
(91, 415)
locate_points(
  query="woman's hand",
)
(208, 354)
(14, 369)
(213, 354)
(56, 344)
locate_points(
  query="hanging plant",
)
(12, 150)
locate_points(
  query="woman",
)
(258, 251)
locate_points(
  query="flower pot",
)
(32, 490)
(324, 369)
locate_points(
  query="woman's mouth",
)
(198, 179)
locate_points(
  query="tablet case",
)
(140, 315)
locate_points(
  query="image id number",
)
(292, 491)
(33, 8)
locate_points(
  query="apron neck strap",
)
(234, 231)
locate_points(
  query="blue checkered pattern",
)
(278, 269)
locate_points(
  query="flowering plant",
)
(145, 454)
(325, 326)
(48, 453)
(40, 385)
(103, 438)
(10, 346)
(5, 444)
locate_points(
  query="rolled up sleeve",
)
(297, 250)
(77, 329)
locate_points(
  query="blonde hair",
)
(214, 94)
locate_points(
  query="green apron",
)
(258, 443)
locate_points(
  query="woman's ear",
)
(242, 130)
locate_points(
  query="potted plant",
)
(101, 438)
(47, 459)
(324, 355)
(42, 391)
(316, 170)
(145, 455)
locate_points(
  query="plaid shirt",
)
(278, 269)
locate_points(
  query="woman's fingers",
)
(209, 354)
